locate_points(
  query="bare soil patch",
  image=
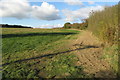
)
(90, 56)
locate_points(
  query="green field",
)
(39, 53)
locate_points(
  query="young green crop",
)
(37, 53)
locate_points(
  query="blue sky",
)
(35, 13)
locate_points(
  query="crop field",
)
(38, 53)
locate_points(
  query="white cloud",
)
(45, 12)
(50, 26)
(58, 25)
(14, 8)
(91, 2)
(81, 13)
(74, 2)
(22, 9)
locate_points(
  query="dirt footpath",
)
(90, 56)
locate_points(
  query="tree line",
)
(81, 26)
(13, 26)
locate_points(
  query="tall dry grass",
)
(104, 24)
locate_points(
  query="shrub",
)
(67, 25)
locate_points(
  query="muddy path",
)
(90, 58)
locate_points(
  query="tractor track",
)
(90, 57)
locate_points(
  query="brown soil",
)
(90, 56)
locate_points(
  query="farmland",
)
(55, 53)
(37, 53)
(78, 50)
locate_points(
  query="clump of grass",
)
(111, 54)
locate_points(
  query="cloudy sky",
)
(48, 14)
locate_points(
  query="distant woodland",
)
(13, 26)
(81, 26)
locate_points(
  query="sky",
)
(48, 14)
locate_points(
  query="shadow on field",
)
(35, 34)
(53, 54)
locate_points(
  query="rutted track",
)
(90, 58)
